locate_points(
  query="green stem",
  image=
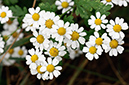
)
(92, 72)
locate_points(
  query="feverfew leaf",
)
(9, 2)
(68, 18)
(47, 7)
(84, 8)
(18, 11)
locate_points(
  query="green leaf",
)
(49, 1)
(48, 7)
(84, 8)
(18, 11)
(10, 2)
(20, 42)
(68, 18)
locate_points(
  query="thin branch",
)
(115, 71)
(34, 3)
(11, 45)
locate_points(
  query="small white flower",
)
(65, 5)
(14, 35)
(114, 46)
(62, 31)
(77, 36)
(97, 22)
(109, 2)
(21, 52)
(92, 51)
(34, 57)
(2, 43)
(115, 27)
(34, 18)
(11, 25)
(55, 50)
(37, 71)
(28, 27)
(40, 40)
(8, 62)
(50, 19)
(5, 14)
(123, 2)
(74, 53)
(50, 68)
(98, 40)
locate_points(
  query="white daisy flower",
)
(65, 5)
(6, 35)
(92, 51)
(97, 22)
(11, 25)
(37, 71)
(11, 53)
(50, 68)
(50, 19)
(123, 2)
(21, 52)
(114, 46)
(14, 35)
(2, 43)
(55, 50)
(115, 27)
(77, 36)
(62, 31)
(34, 57)
(8, 62)
(5, 14)
(34, 18)
(109, 2)
(74, 53)
(28, 27)
(98, 40)
(40, 40)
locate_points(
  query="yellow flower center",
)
(99, 41)
(98, 21)
(54, 52)
(38, 69)
(3, 14)
(65, 4)
(61, 31)
(6, 37)
(34, 58)
(92, 50)
(117, 28)
(20, 52)
(74, 36)
(49, 23)
(108, 0)
(11, 51)
(35, 16)
(40, 39)
(14, 34)
(50, 68)
(9, 22)
(113, 44)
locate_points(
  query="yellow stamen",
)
(92, 50)
(50, 68)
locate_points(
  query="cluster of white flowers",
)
(53, 39)
(110, 41)
(116, 2)
(9, 33)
